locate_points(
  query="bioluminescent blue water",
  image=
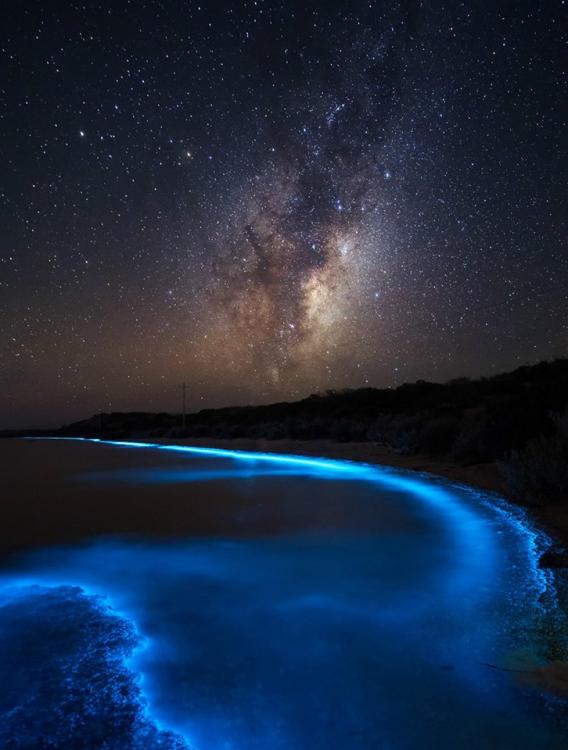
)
(379, 627)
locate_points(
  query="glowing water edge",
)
(390, 611)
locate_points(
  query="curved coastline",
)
(432, 489)
(484, 485)
(349, 465)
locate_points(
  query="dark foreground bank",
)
(508, 432)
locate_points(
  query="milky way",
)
(269, 199)
(306, 256)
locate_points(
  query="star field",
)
(269, 199)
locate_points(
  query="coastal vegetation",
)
(517, 419)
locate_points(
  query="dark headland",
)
(507, 433)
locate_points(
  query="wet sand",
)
(484, 476)
(40, 498)
(65, 492)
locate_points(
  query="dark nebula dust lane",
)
(374, 629)
(271, 199)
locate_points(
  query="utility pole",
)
(183, 387)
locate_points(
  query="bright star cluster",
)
(268, 199)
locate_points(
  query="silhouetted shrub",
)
(346, 430)
(438, 435)
(268, 431)
(403, 433)
(379, 430)
(224, 430)
(538, 473)
(471, 442)
(307, 429)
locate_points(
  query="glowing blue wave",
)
(466, 524)
(207, 605)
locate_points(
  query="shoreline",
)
(552, 520)
(108, 513)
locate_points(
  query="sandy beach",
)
(484, 476)
(44, 508)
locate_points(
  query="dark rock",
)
(554, 558)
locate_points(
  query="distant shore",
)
(483, 476)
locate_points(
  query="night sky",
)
(270, 199)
